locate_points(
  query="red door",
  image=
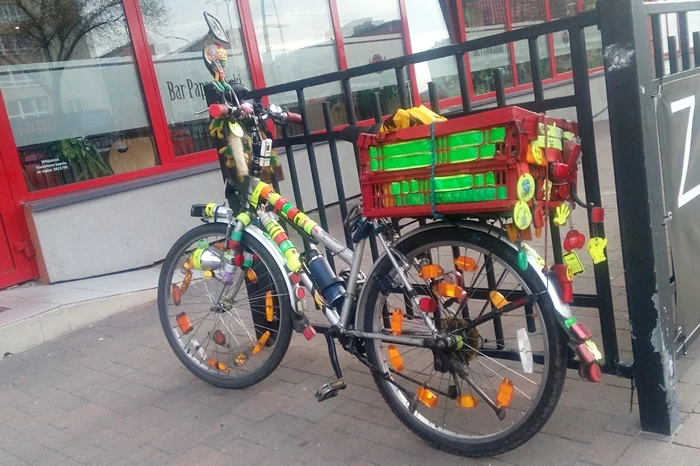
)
(16, 254)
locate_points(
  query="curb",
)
(30, 332)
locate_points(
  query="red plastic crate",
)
(408, 192)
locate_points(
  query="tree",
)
(52, 30)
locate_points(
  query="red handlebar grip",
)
(218, 110)
(294, 118)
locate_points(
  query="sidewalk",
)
(115, 394)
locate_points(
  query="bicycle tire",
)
(284, 332)
(553, 385)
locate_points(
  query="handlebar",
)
(224, 110)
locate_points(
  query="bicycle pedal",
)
(330, 390)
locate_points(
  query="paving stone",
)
(606, 449)
(82, 451)
(689, 432)
(545, 449)
(644, 451)
(386, 456)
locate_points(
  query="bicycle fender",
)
(257, 233)
(561, 307)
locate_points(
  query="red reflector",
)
(294, 278)
(594, 374)
(309, 332)
(427, 305)
(300, 293)
(597, 214)
(585, 355)
(560, 170)
(239, 260)
(581, 331)
(219, 338)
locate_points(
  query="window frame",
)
(153, 102)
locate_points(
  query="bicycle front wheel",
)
(443, 408)
(231, 336)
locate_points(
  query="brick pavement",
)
(115, 394)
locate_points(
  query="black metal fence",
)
(580, 100)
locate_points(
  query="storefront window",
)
(177, 57)
(527, 13)
(562, 9)
(372, 32)
(296, 41)
(485, 18)
(426, 24)
(74, 99)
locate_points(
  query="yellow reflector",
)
(467, 401)
(251, 276)
(497, 299)
(188, 265)
(184, 323)
(240, 359)
(176, 294)
(466, 264)
(186, 282)
(505, 393)
(431, 271)
(261, 342)
(449, 290)
(218, 365)
(207, 274)
(396, 322)
(395, 358)
(426, 397)
(269, 307)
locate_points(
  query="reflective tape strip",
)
(209, 209)
(266, 191)
(285, 246)
(197, 258)
(237, 235)
(286, 208)
(292, 258)
(244, 218)
(255, 197)
(280, 203)
(309, 226)
(275, 230)
(291, 213)
(280, 237)
(273, 197)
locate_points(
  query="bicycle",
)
(233, 290)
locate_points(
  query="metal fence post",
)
(628, 77)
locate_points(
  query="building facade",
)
(101, 151)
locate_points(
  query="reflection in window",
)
(562, 9)
(177, 57)
(527, 13)
(426, 24)
(74, 99)
(296, 41)
(372, 32)
(484, 18)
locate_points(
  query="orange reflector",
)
(219, 338)
(427, 397)
(188, 265)
(395, 358)
(269, 307)
(214, 364)
(220, 245)
(497, 299)
(467, 401)
(186, 282)
(505, 393)
(431, 271)
(176, 294)
(449, 290)
(207, 274)
(240, 359)
(251, 276)
(466, 264)
(261, 342)
(184, 323)
(396, 322)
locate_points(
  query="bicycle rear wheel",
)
(453, 416)
(227, 335)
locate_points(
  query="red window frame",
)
(156, 111)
